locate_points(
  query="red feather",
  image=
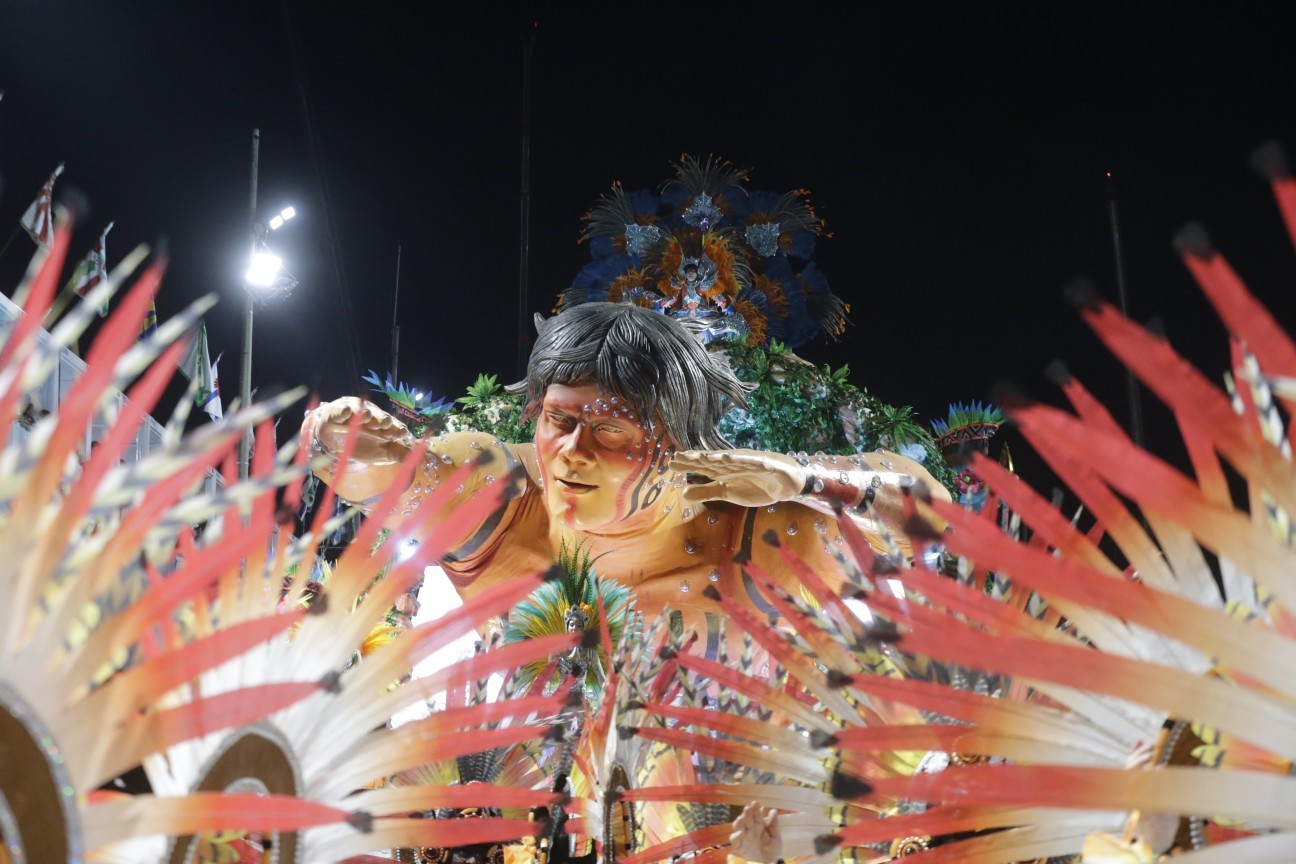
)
(134, 688)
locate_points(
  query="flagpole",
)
(12, 235)
(1131, 384)
(249, 309)
(60, 303)
(395, 374)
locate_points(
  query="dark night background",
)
(957, 152)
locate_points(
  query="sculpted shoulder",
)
(472, 461)
(807, 532)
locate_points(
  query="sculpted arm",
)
(382, 444)
(869, 486)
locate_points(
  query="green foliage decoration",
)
(487, 408)
(798, 407)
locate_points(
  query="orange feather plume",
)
(757, 323)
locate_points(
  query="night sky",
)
(957, 152)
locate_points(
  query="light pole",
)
(265, 277)
(249, 307)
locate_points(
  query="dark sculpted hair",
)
(646, 358)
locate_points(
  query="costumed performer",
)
(627, 460)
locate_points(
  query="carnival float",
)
(684, 650)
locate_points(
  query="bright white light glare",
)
(418, 397)
(407, 549)
(265, 269)
(897, 588)
(277, 221)
(436, 598)
(860, 608)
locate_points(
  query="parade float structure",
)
(1125, 695)
(1008, 708)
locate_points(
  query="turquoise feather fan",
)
(544, 613)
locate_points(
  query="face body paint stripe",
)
(656, 467)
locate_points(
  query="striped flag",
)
(197, 366)
(93, 269)
(38, 220)
(149, 325)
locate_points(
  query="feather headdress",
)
(734, 263)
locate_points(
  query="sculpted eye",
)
(562, 421)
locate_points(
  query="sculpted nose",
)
(573, 445)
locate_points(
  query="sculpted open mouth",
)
(578, 488)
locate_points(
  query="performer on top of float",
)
(628, 460)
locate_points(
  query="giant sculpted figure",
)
(628, 460)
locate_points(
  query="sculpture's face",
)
(598, 461)
(576, 620)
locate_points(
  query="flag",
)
(197, 366)
(93, 269)
(149, 325)
(38, 221)
(215, 397)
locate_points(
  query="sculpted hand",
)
(756, 836)
(382, 438)
(751, 478)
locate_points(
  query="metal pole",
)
(1131, 384)
(249, 308)
(524, 238)
(12, 235)
(396, 327)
